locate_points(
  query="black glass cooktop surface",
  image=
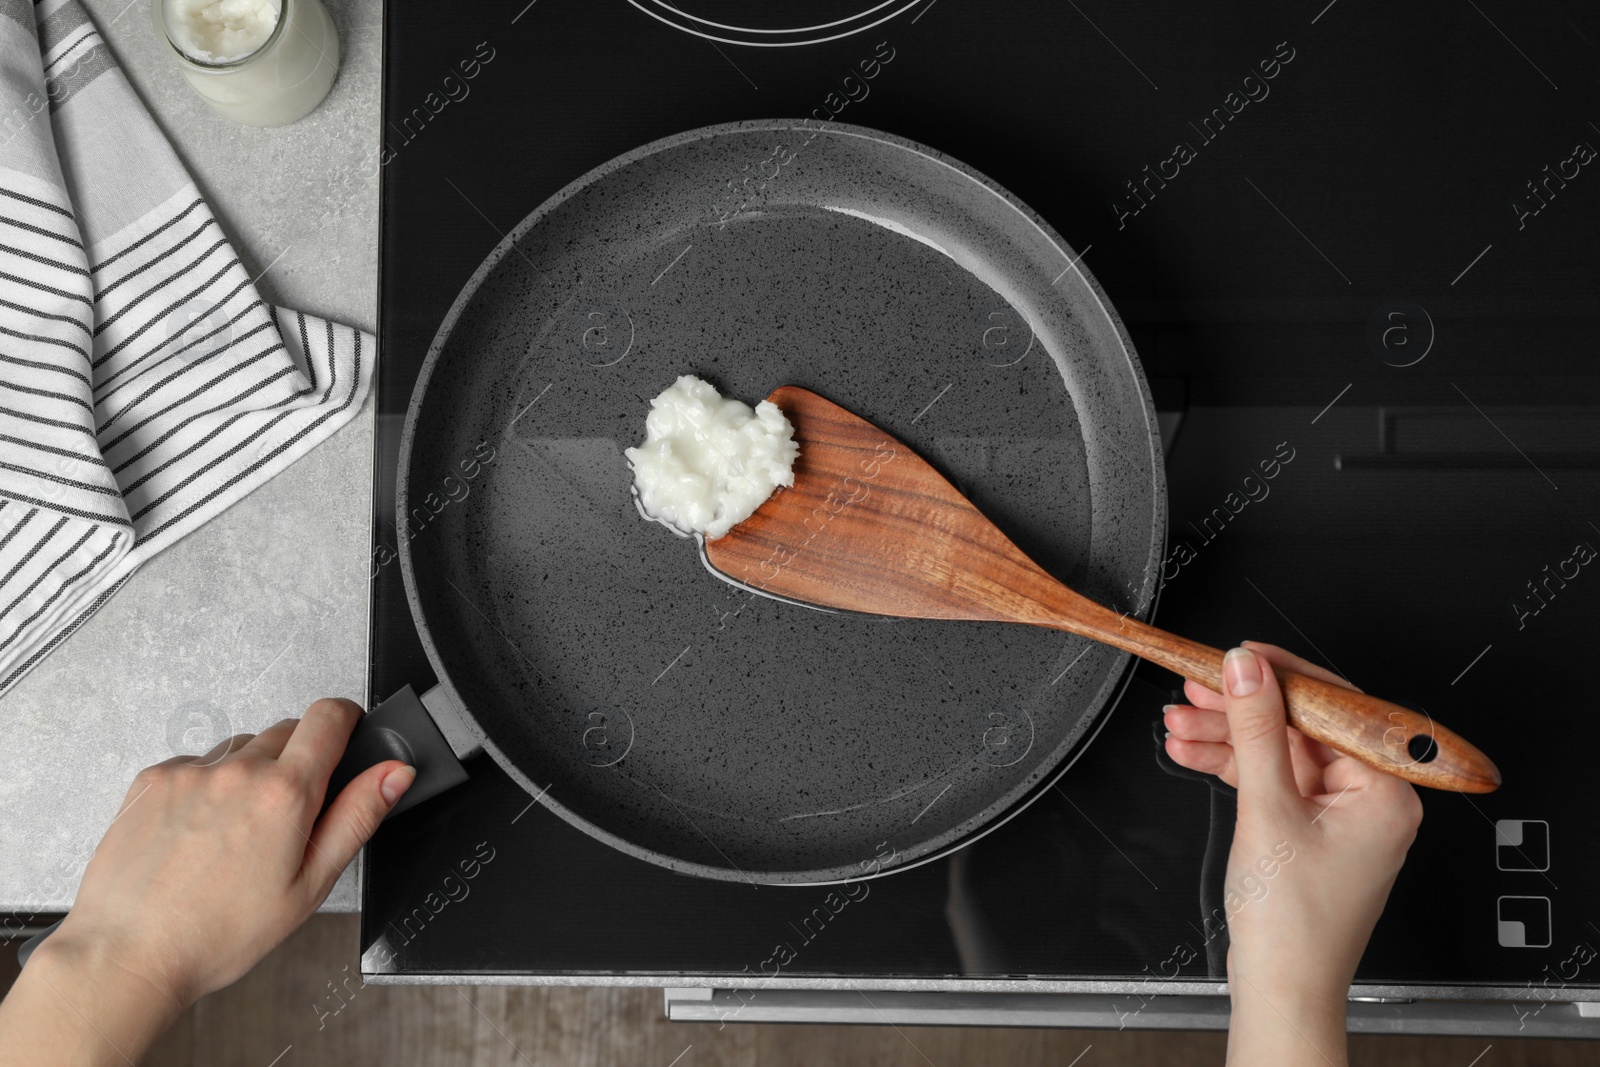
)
(1354, 246)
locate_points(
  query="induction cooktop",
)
(1353, 245)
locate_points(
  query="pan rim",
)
(1003, 808)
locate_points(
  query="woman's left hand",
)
(210, 863)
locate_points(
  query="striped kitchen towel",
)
(144, 384)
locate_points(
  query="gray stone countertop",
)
(264, 609)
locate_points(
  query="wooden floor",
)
(274, 1013)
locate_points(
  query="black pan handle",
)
(426, 732)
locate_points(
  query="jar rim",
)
(160, 9)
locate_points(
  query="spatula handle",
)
(1386, 736)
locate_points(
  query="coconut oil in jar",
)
(258, 62)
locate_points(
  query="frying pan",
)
(693, 724)
(699, 726)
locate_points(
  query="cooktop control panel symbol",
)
(1524, 922)
(1522, 845)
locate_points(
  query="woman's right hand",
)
(1332, 831)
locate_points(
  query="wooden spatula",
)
(870, 527)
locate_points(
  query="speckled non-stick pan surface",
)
(674, 716)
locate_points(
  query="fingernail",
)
(395, 784)
(1241, 673)
(1167, 708)
(1168, 736)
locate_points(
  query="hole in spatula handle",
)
(1422, 748)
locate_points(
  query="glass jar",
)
(282, 80)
